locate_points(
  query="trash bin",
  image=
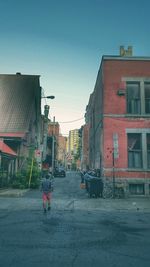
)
(95, 187)
(87, 177)
(82, 176)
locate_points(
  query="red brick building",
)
(85, 147)
(119, 116)
(52, 144)
(62, 149)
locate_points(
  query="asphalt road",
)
(71, 235)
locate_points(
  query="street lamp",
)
(46, 112)
(46, 107)
(49, 97)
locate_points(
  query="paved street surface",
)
(78, 231)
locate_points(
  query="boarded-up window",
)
(147, 97)
(133, 98)
(136, 189)
(134, 151)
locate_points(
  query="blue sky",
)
(63, 42)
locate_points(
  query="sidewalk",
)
(139, 204)
(128, 204)
(100, 204)
(13, 192)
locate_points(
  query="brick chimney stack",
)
(124, 52)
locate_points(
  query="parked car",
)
(59, 172)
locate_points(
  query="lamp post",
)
(49, 97)
(46, 113)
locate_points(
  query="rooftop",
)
(18, 97)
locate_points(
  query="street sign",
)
(116, 147)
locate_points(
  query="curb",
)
(13, 192)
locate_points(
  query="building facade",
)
(118, 114)
(73, 141)
(72, 149)
(62, 150)
(20, 117)
(52, 137)
(85, 147)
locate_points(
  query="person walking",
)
(46, 188)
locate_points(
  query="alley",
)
(75, 233)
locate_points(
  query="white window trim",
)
(143, 132)
(141, 80)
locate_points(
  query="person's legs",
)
(44, 197)
(49, 200)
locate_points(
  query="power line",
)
(71, 121)
(43, 93)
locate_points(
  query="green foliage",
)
(4, 182)
(73, 166)
(35, 174)
(21, 179)
(78, 154)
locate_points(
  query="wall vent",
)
(121, 92)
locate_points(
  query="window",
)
(133, 98)
(138, 97)
(134, 150)
(136, 189)
(148, 150)
(147, 97)
(138, 142)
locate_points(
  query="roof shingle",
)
(18, 98)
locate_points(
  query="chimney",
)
(122, 51)
(129, 51)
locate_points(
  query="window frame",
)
(144, 132)
(133, 152)
(148, 151)
(148, 98)
(133, 100)
(142, 81)
(137, 189)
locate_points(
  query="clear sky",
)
(63, 42)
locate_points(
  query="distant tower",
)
(73, 140)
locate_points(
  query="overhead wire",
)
(72, 120)
(43, 94)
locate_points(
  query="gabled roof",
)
(20, 97)
(6, 149)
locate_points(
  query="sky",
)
(63, 41)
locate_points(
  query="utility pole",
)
(53, 153)
(53, 146)
(113, 161)
(115, 155)
(46, 112)
(45, 130)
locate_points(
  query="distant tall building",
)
(62, 140)
(52, 144)
(73, 141)
(67, 145)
